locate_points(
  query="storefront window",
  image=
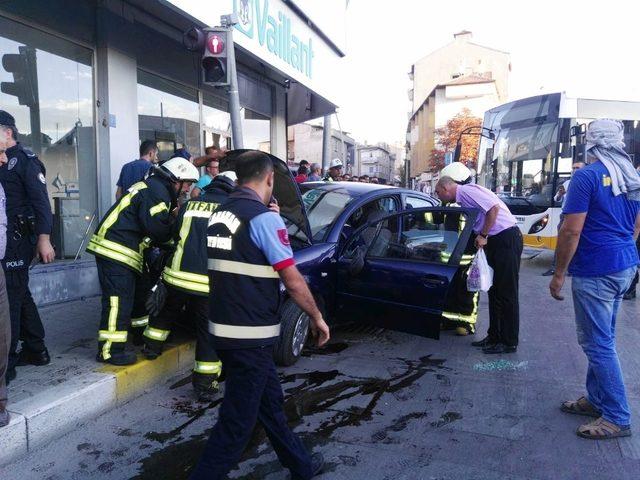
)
(256, 130)
(168, 113)
(216, 121)
(47, 85)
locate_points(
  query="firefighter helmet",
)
(458, 172)
(180, 170)
(335, 163)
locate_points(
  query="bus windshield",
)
(519, 163)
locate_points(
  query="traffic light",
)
(25, 80)
(214, 58)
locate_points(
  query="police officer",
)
(461, 306)
(187, 279)
(145, 210)
(28, 230)
(249, 254)
(335, 170)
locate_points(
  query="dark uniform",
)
(247, 245)
(187, 281)
(28, 215)
(119, 244)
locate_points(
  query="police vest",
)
(187, 269)
(245, 297)
(144, 211)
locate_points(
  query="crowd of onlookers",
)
(313, 173)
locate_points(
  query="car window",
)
(419, 202)
(323, 207)
(429, 237)
(372, 210)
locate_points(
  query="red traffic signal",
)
(214, 58)
(215, 44)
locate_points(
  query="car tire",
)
(294, 330)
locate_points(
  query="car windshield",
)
(323, 206)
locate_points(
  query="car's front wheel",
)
(294, 330)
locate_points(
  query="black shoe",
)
(630, 295)
(27, 357)
(317, 463)
(150, 352)
(499, 348)
(549, 272)
(5, 418)
(10, 375)
(137, 338)
(118, 358)
(482, 343)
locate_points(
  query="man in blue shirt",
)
(596, 245)
(212, 169)
(136, 171)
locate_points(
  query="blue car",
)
(370, 253)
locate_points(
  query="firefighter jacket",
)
(187, 269)
(144, 211)
(28, 207)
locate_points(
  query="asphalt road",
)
(385, 405)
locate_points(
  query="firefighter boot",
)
(113, 356)
(205, 385)
(151, 349)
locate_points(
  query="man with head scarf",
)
(596, 245)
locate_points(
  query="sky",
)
(586, 49)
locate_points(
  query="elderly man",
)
(497, 233)
(596, 246)
(316, 173)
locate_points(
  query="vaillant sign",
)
(272, 29)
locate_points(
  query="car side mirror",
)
(357, 261)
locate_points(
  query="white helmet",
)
(458, 172)
(230, 174)
(180, 170)
(335, 163)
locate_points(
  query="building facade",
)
(305, 143)
(459, 75)
(375, 161)
(104, 75)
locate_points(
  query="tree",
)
(446, 139)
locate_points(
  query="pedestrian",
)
(496, 232)
(301, 177)
(304, 163)
(559, 197)
(212, 169)
(136, 170)
(596, 247)
(146, 210)
(346, 177)
(335, 170)
(316, 173)
(249, 255)
(29, 224)
(187, 280)
(375, 180)
(5, 317)
(365, 179)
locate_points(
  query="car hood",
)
(285, 190)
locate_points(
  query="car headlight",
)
(539, 225)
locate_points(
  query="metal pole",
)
(234, 96)
(326, 143)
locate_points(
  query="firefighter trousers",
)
(118, 285)
(197, 309)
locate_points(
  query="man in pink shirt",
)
(496, 232)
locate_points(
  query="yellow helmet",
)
(458, 172)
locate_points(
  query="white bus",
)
(527, 150)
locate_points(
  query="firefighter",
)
(461, 306)
(29, 224)
(145, 210)
(187, 280)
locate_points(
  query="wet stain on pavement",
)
(398, 425)
(330, 349)
(446, 418)
(316, 393)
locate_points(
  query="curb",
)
(56, 411)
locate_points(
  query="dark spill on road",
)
(329, 349)
(314, 393)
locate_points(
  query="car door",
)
(396, 271)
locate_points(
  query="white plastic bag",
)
(480, 275)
